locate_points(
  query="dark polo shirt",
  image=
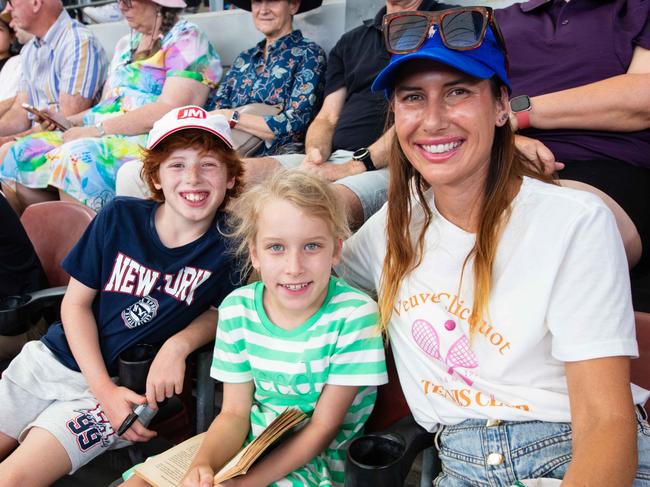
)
(554, 45)
(354, 62)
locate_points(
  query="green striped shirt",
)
(340, 344)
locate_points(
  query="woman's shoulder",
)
(539, 200)
(184, 28)
(310, 47)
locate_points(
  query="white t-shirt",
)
(560, 292)
(9, 78)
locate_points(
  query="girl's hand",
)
(199, 476)
(235, 482)
(166, 375)
(117, 403)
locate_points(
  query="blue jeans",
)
(474, 454)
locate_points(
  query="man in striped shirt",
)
(63, 66)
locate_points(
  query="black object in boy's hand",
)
(142, 412)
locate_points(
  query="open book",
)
(169, 468)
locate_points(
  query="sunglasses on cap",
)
(461, 29)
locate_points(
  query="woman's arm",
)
(253, 124)
(177, 92)
(168, 367)
(82, 336)
(603, 422)
(310, 441)
(225, 436)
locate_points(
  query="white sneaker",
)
(106, 13)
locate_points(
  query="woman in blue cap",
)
(506, 297)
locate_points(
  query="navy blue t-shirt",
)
(146, 292)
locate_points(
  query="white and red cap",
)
(171, 3)
(189, 117)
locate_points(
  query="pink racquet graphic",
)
(426, 338)
(459, 354)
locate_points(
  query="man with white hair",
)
(63, 65)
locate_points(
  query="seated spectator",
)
(63, 66)
(7, 39)
(297, 338)
(584, 68)
(283, 69)
(506, 297)
(20, 271)
(148, 272)
(11, 40)
(344, 143)
(165, 62)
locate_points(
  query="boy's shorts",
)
(38, 390)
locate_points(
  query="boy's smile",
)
(294, 253)
(194, 185)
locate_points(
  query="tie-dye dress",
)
(85, 168)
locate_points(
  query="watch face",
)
(235, 116)
(520, 103)
(360, 153)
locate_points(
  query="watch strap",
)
(365, 159)
(234, 119)
(367, 162)
(523, 119)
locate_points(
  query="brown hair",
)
(200, 140)
(309, 193)
(404, 254)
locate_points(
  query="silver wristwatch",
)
(100, 128)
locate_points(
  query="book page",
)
(169, 468)
(241, 462)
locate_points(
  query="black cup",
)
(12, 302)
(374, 461)
(133, 366)
(15, 316)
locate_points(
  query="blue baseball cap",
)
(483, 62)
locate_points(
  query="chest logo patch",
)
(140, 312)
(459, 354)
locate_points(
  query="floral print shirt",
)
(292, 75)
(185, 52)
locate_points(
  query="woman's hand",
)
(80, 132)
(199, 476)
(118, 402)
(166, 374)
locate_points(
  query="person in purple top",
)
(580, 74)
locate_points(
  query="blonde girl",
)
(297, 338)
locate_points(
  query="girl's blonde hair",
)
(310, 193)
(405, 251)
